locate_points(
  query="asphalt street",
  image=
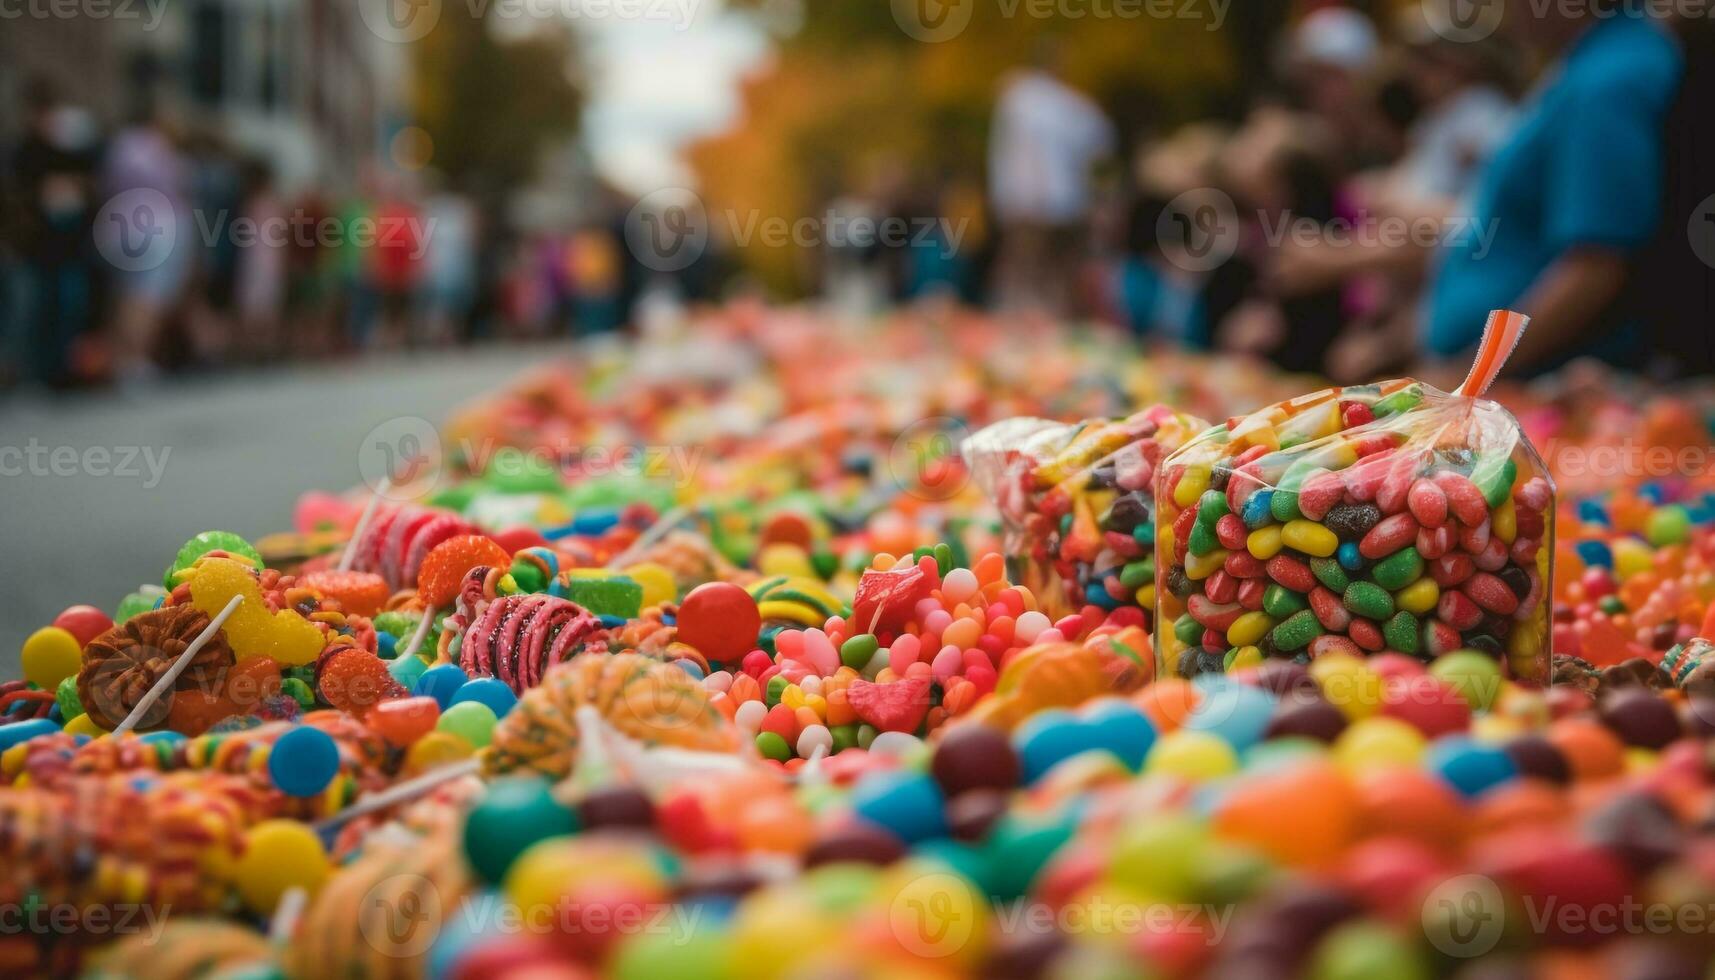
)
(97, 492)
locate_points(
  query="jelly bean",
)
(1398, 570)
(1264, 543)
(1296, 632)
(1389, 536)
(1369, 600)
(1468, 766)
(1427, 503)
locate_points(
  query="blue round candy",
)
(1595, 553)
(689, 667)
(440, 682)
(386, 645)
(1592, 512)
(1119, 727)
(1349, 557)
(1257, 509)
(1096, 594)
(489, 691)
(907, 804)
(1048, 739)
(303, 761)
(1236, 713)
(1470, 766)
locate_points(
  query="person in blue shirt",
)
(1570, 196)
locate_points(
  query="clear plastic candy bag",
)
(1077, 504)
(1387, 517)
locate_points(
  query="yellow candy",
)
(436, 749)
(550, 869)
(658, 583)
(1504, 521)
(1249, 629)
(1348, 684)
(251, 630)
(1309, 537)
(779, 930)
(1200, 567)
(1245, 658)
(50, 655)
(936, 914)
(1264, 542)
(1640, 761)
(1496, 729)
(792, 697)
(1192, 755)
(279, 855)
(1419, 597)
(781, 558)
(1191, 485)
(1631, 556)
(84, 725)
(1378, 743)
(1146, 596)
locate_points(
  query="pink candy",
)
(1428, 503)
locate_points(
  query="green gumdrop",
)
(456, 497)
(772, 746)
(824, 563)
(1401, 632)
(1297, 632)
(1668, 525)
(1363, 950)
(511, 816)
(66, 697)
(1280, 602)
(856, 651)
(1329, 573)
(1018, 850)
(512, 470)
(204, 543)
(1399, 569)
(472, 721)
(674, 953)
(134, 604)
(1369, 600)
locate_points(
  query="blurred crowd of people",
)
(1389, 188)
(1385, 188)
(157, 247)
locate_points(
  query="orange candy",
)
(358, 593)
(447, 563)
(404, 720)
(1410, 803)
(1168, 702)
(356, 680)
(1304, 816)
(1589, 747)
(1527, 804)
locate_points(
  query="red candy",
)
(1428, 503)
(404, 720)
(721, 620)
(1463, 498)
(85, 623)
(1389, 536)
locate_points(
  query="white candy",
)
(749, 716)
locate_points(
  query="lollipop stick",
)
(286, 915)
(167, 680)
(667, 522)
(421, 633)
(363, 520)
(400, 792)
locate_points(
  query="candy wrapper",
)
(1385, 517)
(1077, 504)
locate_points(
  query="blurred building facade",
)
(304, 84)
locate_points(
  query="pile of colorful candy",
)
(820, 708)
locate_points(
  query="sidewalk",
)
(97, 492)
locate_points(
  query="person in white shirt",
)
(1045, 140)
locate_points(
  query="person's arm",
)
(1565, 299)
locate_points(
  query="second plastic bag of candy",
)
(1077, 504)
(1361, 520)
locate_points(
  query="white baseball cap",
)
(1339, 37)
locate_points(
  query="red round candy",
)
(720, 620)
(83, 622)
(516, 539)
(448, 562)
